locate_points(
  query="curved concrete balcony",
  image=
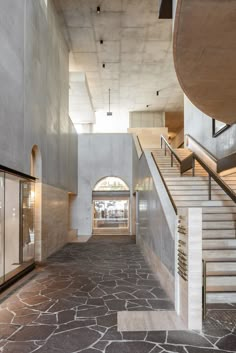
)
(205, 55)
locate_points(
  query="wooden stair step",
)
(223, 234)
(219, 217)
(221, 268)
(218, 225)
(221, 298)
(219, 244)
(219, 255)
(221, 283)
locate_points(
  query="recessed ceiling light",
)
(98, 9)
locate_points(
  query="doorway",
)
(111, 207)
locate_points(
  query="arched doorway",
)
(111, 206)
(36, 171)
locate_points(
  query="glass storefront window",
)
(16, 225)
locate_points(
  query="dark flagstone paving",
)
(71, 306)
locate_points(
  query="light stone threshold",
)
(149, 321)
(80, 239)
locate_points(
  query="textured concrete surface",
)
(199, 126)
(204, 55)
(100, 155)
(136, 49)
(71, 304)
(34, 93)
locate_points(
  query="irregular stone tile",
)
(203, 350)
(108, 297)
(21, 347)
(61, 305)
(159, 293)
(147, 282)
(156, 336)
(228, 343)
(25, 320)
(95, 301)
(47, 319)
(38, 299)
(187, 337)
(107, 320)
(7, 330)
(33, 333)
(100, 311)
(75, 324)
(214, 331)
(124, 295)
(99, 328)
(66, 316)
(129, 347)
(91, 350)
(125, 289)
(160, 304)
(101, 345)
(97, 293)
(157, 350)
(134, 336)
(70, 341)
(173, 348)
(6, 316)
(116, 304)
(112, 335)
(140, 302)
(143, 294)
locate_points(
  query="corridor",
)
(70, 304)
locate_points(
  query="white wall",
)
(99, 155)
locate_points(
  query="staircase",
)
(219, 221)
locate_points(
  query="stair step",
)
(203, 203)
(221, 298)
(219, 217)
(221, 284)
(196, 192)
(223, 234)
(219, 244)
(201, 197)
(221, 268)
(217, 210)
(218, 225)
(219, 255)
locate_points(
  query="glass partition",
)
(16, 225)
(1, 228)
(111, 214)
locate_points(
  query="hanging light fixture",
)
(109, 97)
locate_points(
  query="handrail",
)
(227, 189)
(166, 187)
(189, 163)
(202, 147)
(222, 164)
(171, 150)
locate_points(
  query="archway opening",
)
(111, 206)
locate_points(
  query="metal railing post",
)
(209, 186)
(171, 159)
(161, 142)
(165, 149)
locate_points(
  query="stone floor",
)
(70, 305)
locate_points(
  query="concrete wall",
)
(34, 76)
(34, 92)
(199, 126)
(99, 155)
(156, 228)
(146, 119)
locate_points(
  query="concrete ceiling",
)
(136, 51)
